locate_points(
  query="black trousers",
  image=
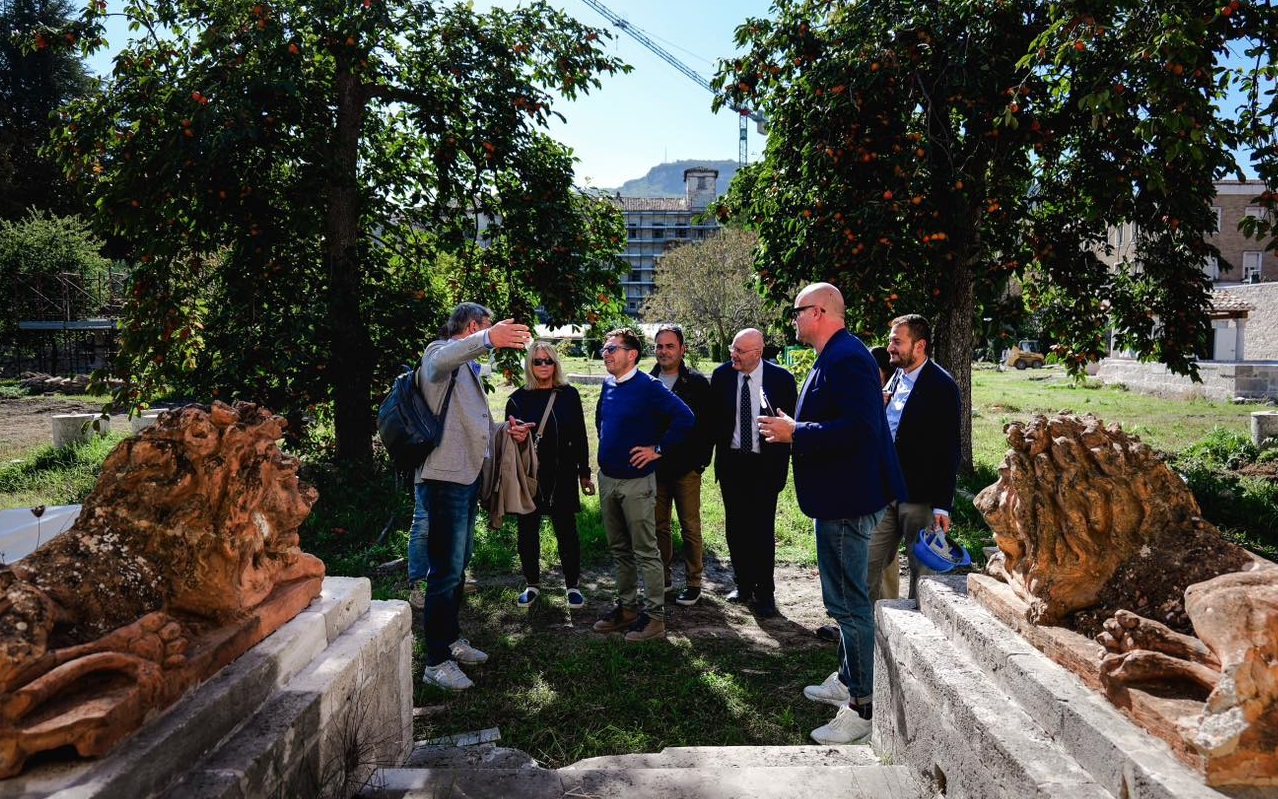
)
(750, 522)
(529, 544)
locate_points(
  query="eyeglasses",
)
(795, 313)
(739, 351)
(542, 362)
(611, 348)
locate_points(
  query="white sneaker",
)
(832, 692)
(847, 727)
(447, 675)
(465, 653)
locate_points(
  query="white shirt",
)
(896, 405)
(627, 375)
(756, 403)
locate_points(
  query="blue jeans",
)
(843, 554)
(418, 563)
(449, 541)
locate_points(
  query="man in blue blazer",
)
(845, 474)
(924, 415)
(751, 472)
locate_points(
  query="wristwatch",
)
(656, 449)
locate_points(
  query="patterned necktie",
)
(747, 435)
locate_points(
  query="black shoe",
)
(688, 596)
(764, 608)
(739, 597)
(828, 632)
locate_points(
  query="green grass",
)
(565, 694)
(49, 476)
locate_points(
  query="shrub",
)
(41, 248)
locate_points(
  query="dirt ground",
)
(798, 598)
(24, 421)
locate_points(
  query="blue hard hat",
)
(938, 553)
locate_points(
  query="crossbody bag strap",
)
(541, 427)
(448, 396)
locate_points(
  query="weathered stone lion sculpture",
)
(184, 556)
(1088, 520)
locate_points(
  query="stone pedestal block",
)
(1264, 428)
(73, 428)
(140, 423)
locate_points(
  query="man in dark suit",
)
(751, 472)
(924, 415)
(845, 474)
(679, 470)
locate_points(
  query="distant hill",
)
(666, 180)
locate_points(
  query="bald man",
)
(845, 474)
(751, 472)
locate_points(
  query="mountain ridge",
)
(666, 180)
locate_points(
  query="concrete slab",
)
(482, 756)
(937, 713)
(846, 782)
(736, 757)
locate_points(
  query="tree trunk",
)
(351, 364)
(954, 347)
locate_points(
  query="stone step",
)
(793, 782)
(1118, 755)
(736, 757)
(938, 712)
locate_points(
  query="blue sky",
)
(653, 115)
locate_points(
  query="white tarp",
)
(21, 532)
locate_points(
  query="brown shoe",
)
(646, 628)
(616, 620)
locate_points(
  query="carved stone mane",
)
(1075, 500)
(184, 556)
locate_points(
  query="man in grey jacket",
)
(447, 486)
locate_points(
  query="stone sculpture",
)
(184, 556)
(1081, 509)
(1090, 525)
(1234, 660)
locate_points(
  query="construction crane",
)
(642, 38)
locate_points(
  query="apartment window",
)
(632, 231)
(658, 230)
(1254, 211)
(1252, 262)
(635, 276)
(1118, 234)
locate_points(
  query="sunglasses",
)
(611, 348)
(795, 313)
(542, 362)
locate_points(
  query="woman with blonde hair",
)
(547, 401)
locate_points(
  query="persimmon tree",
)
(287, 173)
(922, 155)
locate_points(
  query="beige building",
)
(1234, 200)
(655, 224)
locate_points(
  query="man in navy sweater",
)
(637, 419)
(845, 474)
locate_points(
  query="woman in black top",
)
(563, 455)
